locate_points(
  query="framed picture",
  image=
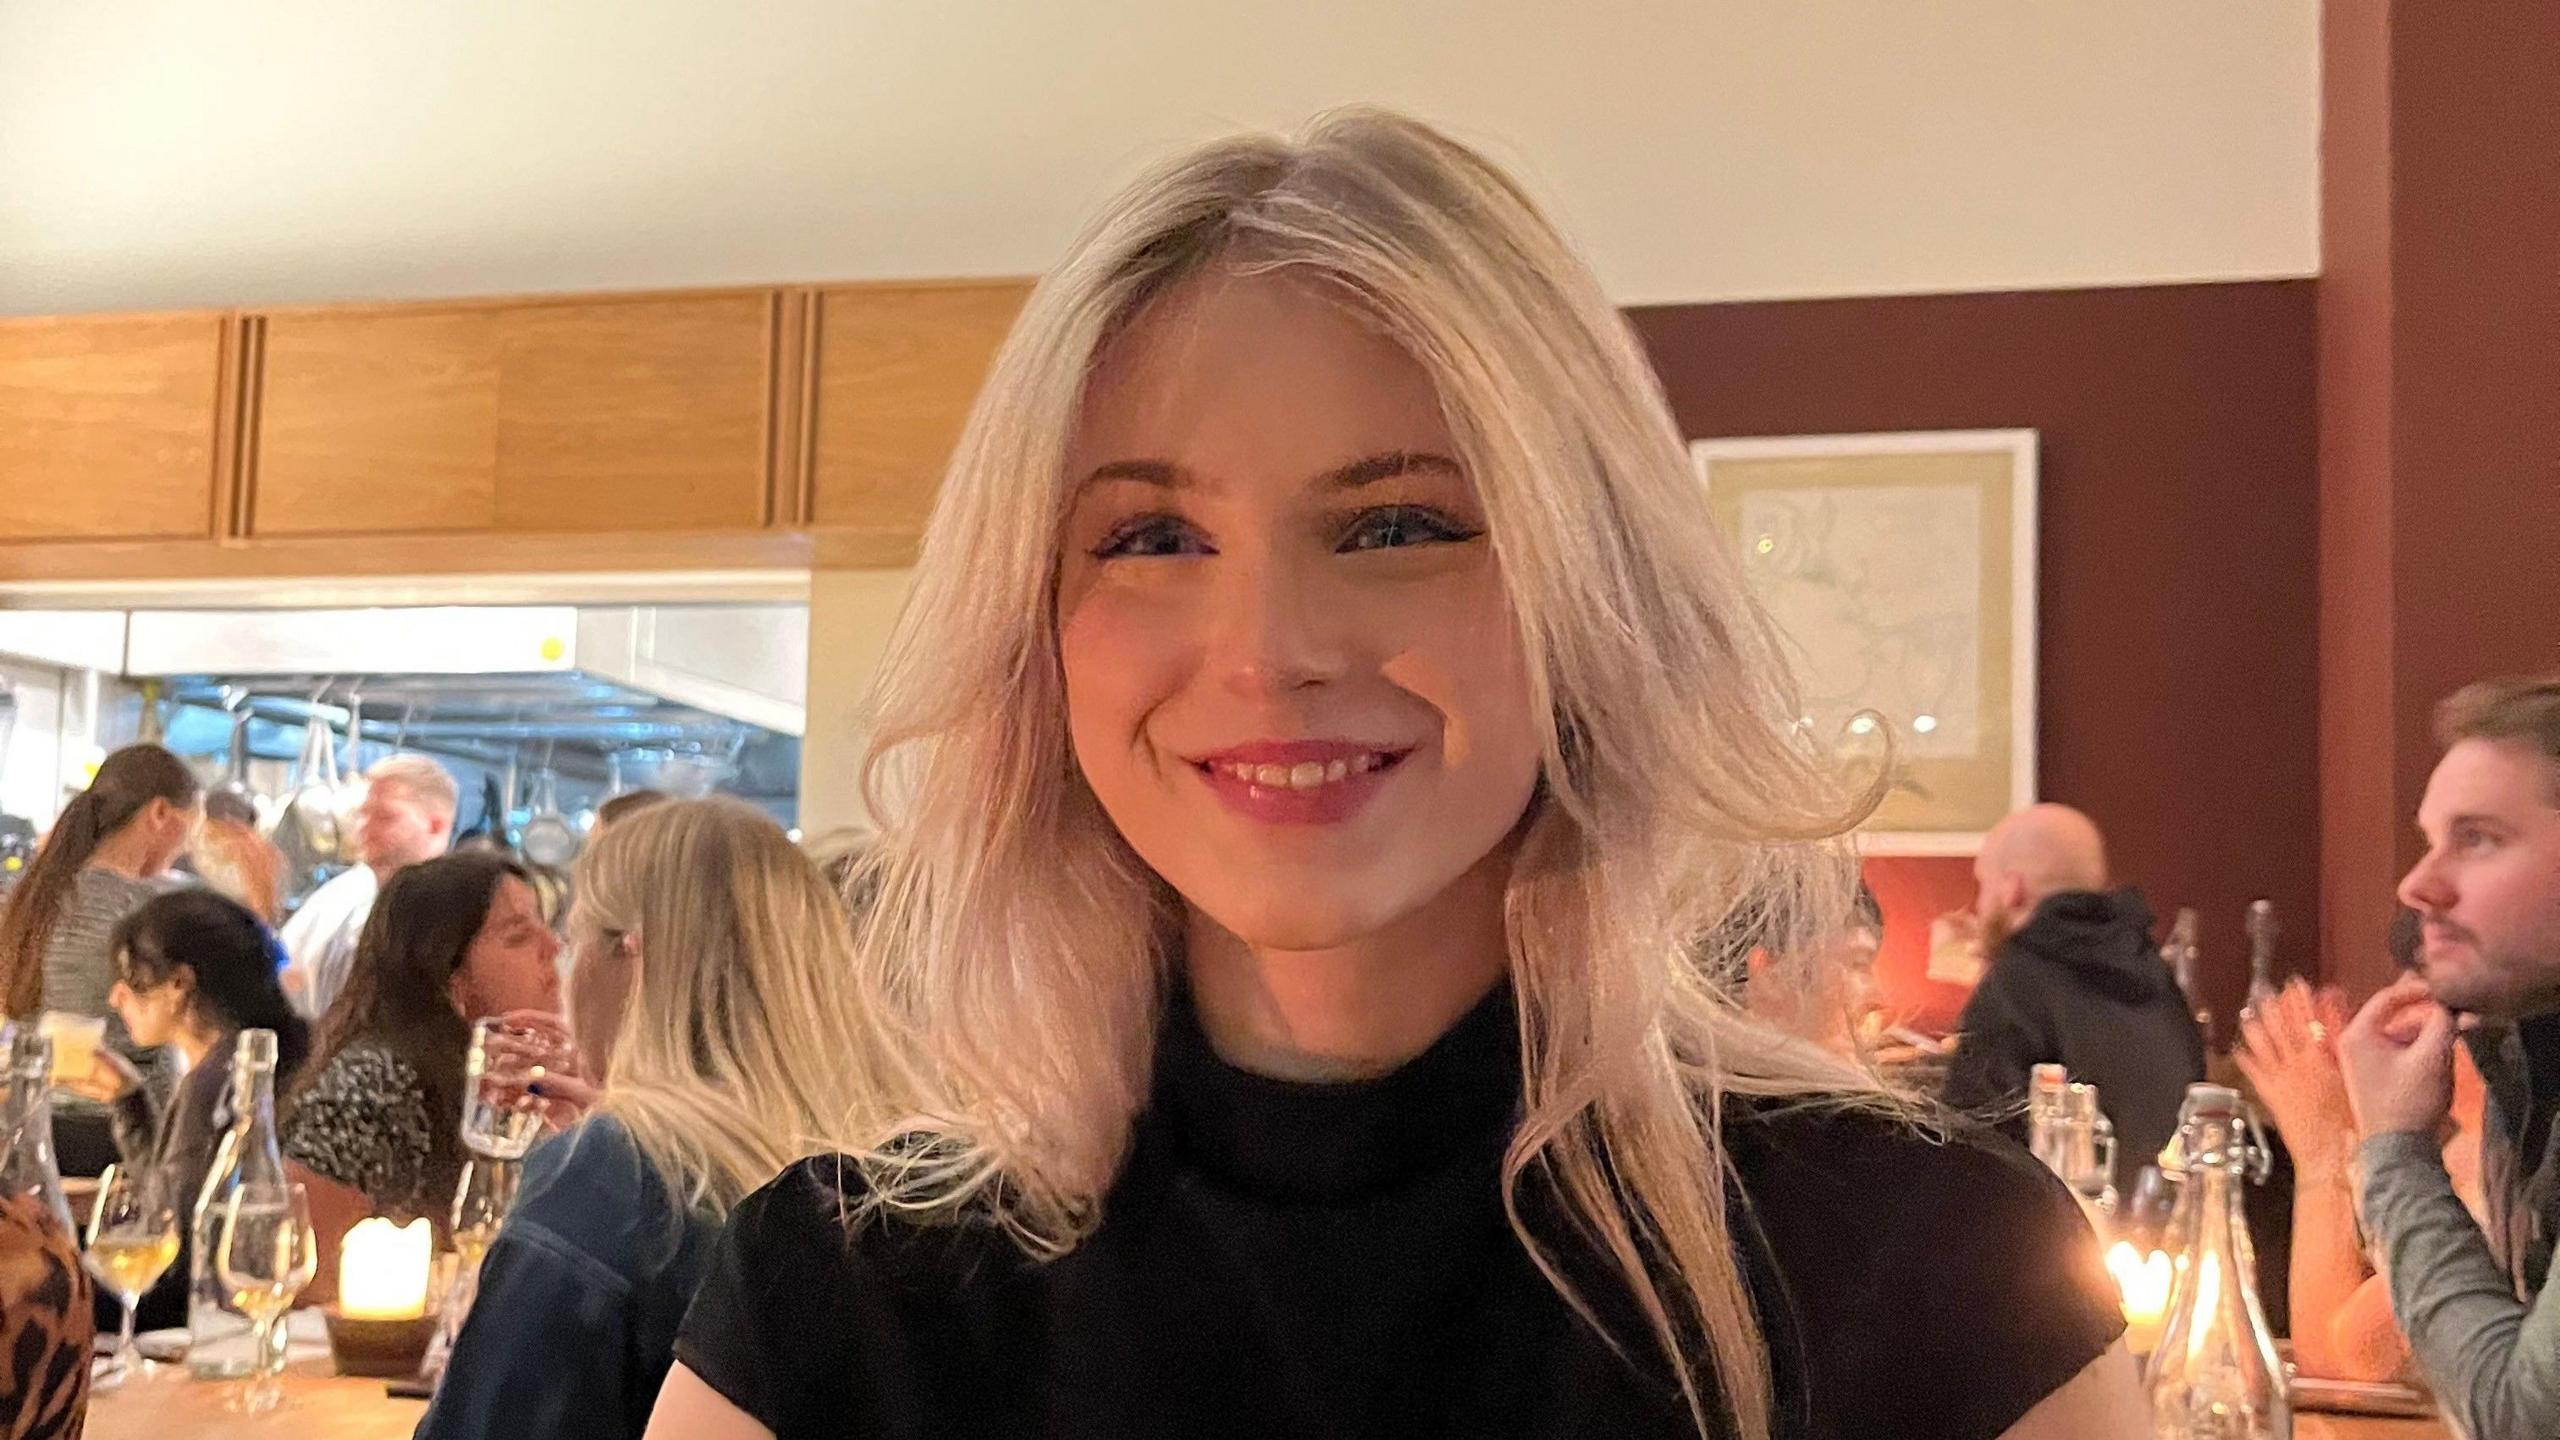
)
(1902, 569)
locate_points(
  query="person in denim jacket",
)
(702, 941)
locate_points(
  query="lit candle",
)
(2144, 1282)
(382, 1270)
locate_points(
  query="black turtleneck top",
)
(1332, 1260)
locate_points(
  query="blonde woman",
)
(704, 994)
(1324, 712)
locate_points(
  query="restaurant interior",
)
(2152, 410)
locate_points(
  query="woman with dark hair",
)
(374, 1122)
(193, 970)
(104, 858)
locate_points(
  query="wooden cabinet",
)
(560, 416)
(896, 368)
(111, 427)
(375, 422)
(646, 414)
(747, 428)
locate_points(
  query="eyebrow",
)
(1368, 470)
(2471, 818)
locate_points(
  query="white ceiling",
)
(161, 153)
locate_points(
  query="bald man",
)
(2074, 978)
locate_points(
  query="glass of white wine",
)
(267, 1254)
(133, 1238)
(479, 1206)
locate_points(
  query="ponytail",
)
(130, 779)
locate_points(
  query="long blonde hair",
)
(736, 1053)
(1025, 948)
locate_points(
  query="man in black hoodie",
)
(2076, 979)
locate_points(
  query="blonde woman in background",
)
(1324, 710)
(704, 996)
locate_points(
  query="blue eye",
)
(1150, 535)
(1393, 527)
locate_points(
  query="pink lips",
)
(1299, 782)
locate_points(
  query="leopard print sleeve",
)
(45, 1326)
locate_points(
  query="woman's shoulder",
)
(1966, 1273)
(363, 1078)
(1847, 1178)
(369, 1067)
(1859, 1152)
(825, 1211)
(97, 899)
(106, 889)
(593, 1190)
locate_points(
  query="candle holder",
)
(381, 1349)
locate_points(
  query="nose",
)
(2426, 888)
(1272, 626)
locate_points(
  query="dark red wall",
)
(2178, 556)
(2439, 405)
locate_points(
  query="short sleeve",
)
(362, 1124)
(1934, 1289)
(769, 1322)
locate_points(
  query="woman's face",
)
(510, 963)
(1293, 679)
(169, 826)
(152, 1015)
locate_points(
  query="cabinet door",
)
(897, 369)
(107, 427)
(377, 422)
(640, 414)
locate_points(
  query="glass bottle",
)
(2185, 959)
(2048, 1090)
(29, 1180)
(2088, 1151)
(2215, 1375)
(37, 1240)
(219, 1336)
(2262, 951)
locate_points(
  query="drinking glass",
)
(268, 1253)
(488, 1187)
(133, 1237)
(499, 1119)
(479, 1204)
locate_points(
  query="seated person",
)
(373, 1126)
(704, 944)
(1828, 997)
(2474, 1299)
(193, 970)
(2341, 1310)
(2074, 979)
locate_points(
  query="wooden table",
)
(166, 1404)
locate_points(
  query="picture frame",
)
(1901, 568)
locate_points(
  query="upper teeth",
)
(1305, 775)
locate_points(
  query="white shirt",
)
(320, 939)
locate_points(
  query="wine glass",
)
(133, 1237)
(479, 1204)
(499, 1118)
(268, 1252)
